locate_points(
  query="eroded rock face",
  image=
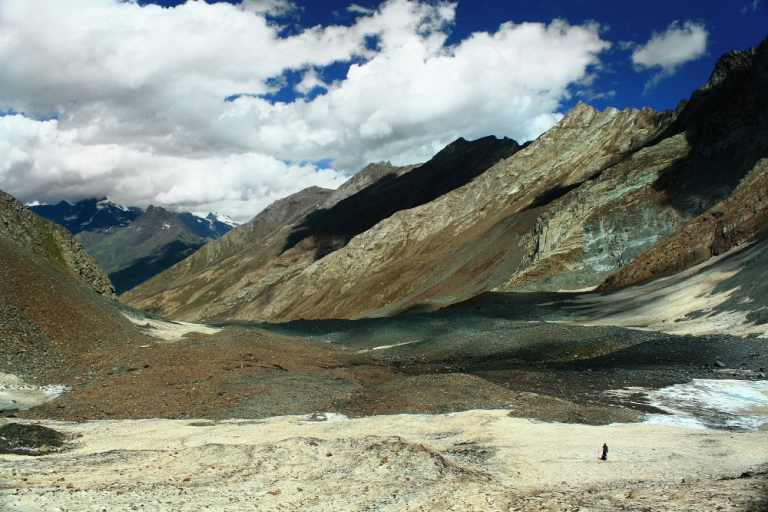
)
(46, 239)
(582, 202)
(722, 185)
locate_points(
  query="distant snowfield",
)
(461, 461)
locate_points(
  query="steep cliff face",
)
(726, 125)
(41, 238)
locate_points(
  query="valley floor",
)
(463, 409)
(476, 460)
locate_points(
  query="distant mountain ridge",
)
(110, 233)
(88, 214)
(92, 214)
(212, 226)
(132, 254)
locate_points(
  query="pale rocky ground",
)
(708, 298)
(476, 460)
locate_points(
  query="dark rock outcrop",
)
(25, 439)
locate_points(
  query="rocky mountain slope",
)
(132, 254)
(199, 278)
(588, 198)
(56, 303)
(324, 227)
(24, 232)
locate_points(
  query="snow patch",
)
(17, 395)
(726, 404)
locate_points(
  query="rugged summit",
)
(638, 190)
(153, 242)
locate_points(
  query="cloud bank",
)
(671, 49)
(176, 107)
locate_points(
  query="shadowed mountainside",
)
(150, 244)
(325, 226)
(454, 166)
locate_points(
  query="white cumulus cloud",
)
(671, 49)
(167, 106)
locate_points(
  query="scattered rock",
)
(22, 439)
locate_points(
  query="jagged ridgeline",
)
(602, 199)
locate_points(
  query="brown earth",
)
(248, 372)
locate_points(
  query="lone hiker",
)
(604, 456)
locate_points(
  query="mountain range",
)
(133, 245)
(600, 201)
(451, 320)
(93, 214)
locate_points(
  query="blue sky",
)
(228, 107)
(735, 24)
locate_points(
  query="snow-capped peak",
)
(106, 203)
(222, 218)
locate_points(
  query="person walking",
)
(604, 456)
